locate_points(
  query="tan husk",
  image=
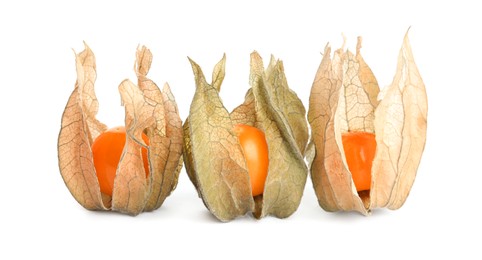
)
(165, 134)
(216, 163)
(147, 110)
(400, 142)
(343, 99)
(79, 129)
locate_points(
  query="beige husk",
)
(342, 99)
(147, 110)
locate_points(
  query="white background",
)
(39, 217)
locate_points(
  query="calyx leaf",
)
(165, 135)
(287, 170)
(401, 127)
(219, 166)
(79, 129)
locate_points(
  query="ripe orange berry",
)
(107, 150)
(360, 150)
(255, 149)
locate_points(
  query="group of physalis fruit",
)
(363, 153)
(127, 169)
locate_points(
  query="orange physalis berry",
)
(255, 149)
(107, 150)
(360, 150)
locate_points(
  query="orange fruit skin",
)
(360, 150)
(107, 150)
(255, 149)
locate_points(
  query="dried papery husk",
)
(217, 78)
(287, 171)
(286, 102)
(78, 130)
(219, 167)
(165, 135)
(208, 139)
(343, 99)
(401, 126)
(147, 110)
